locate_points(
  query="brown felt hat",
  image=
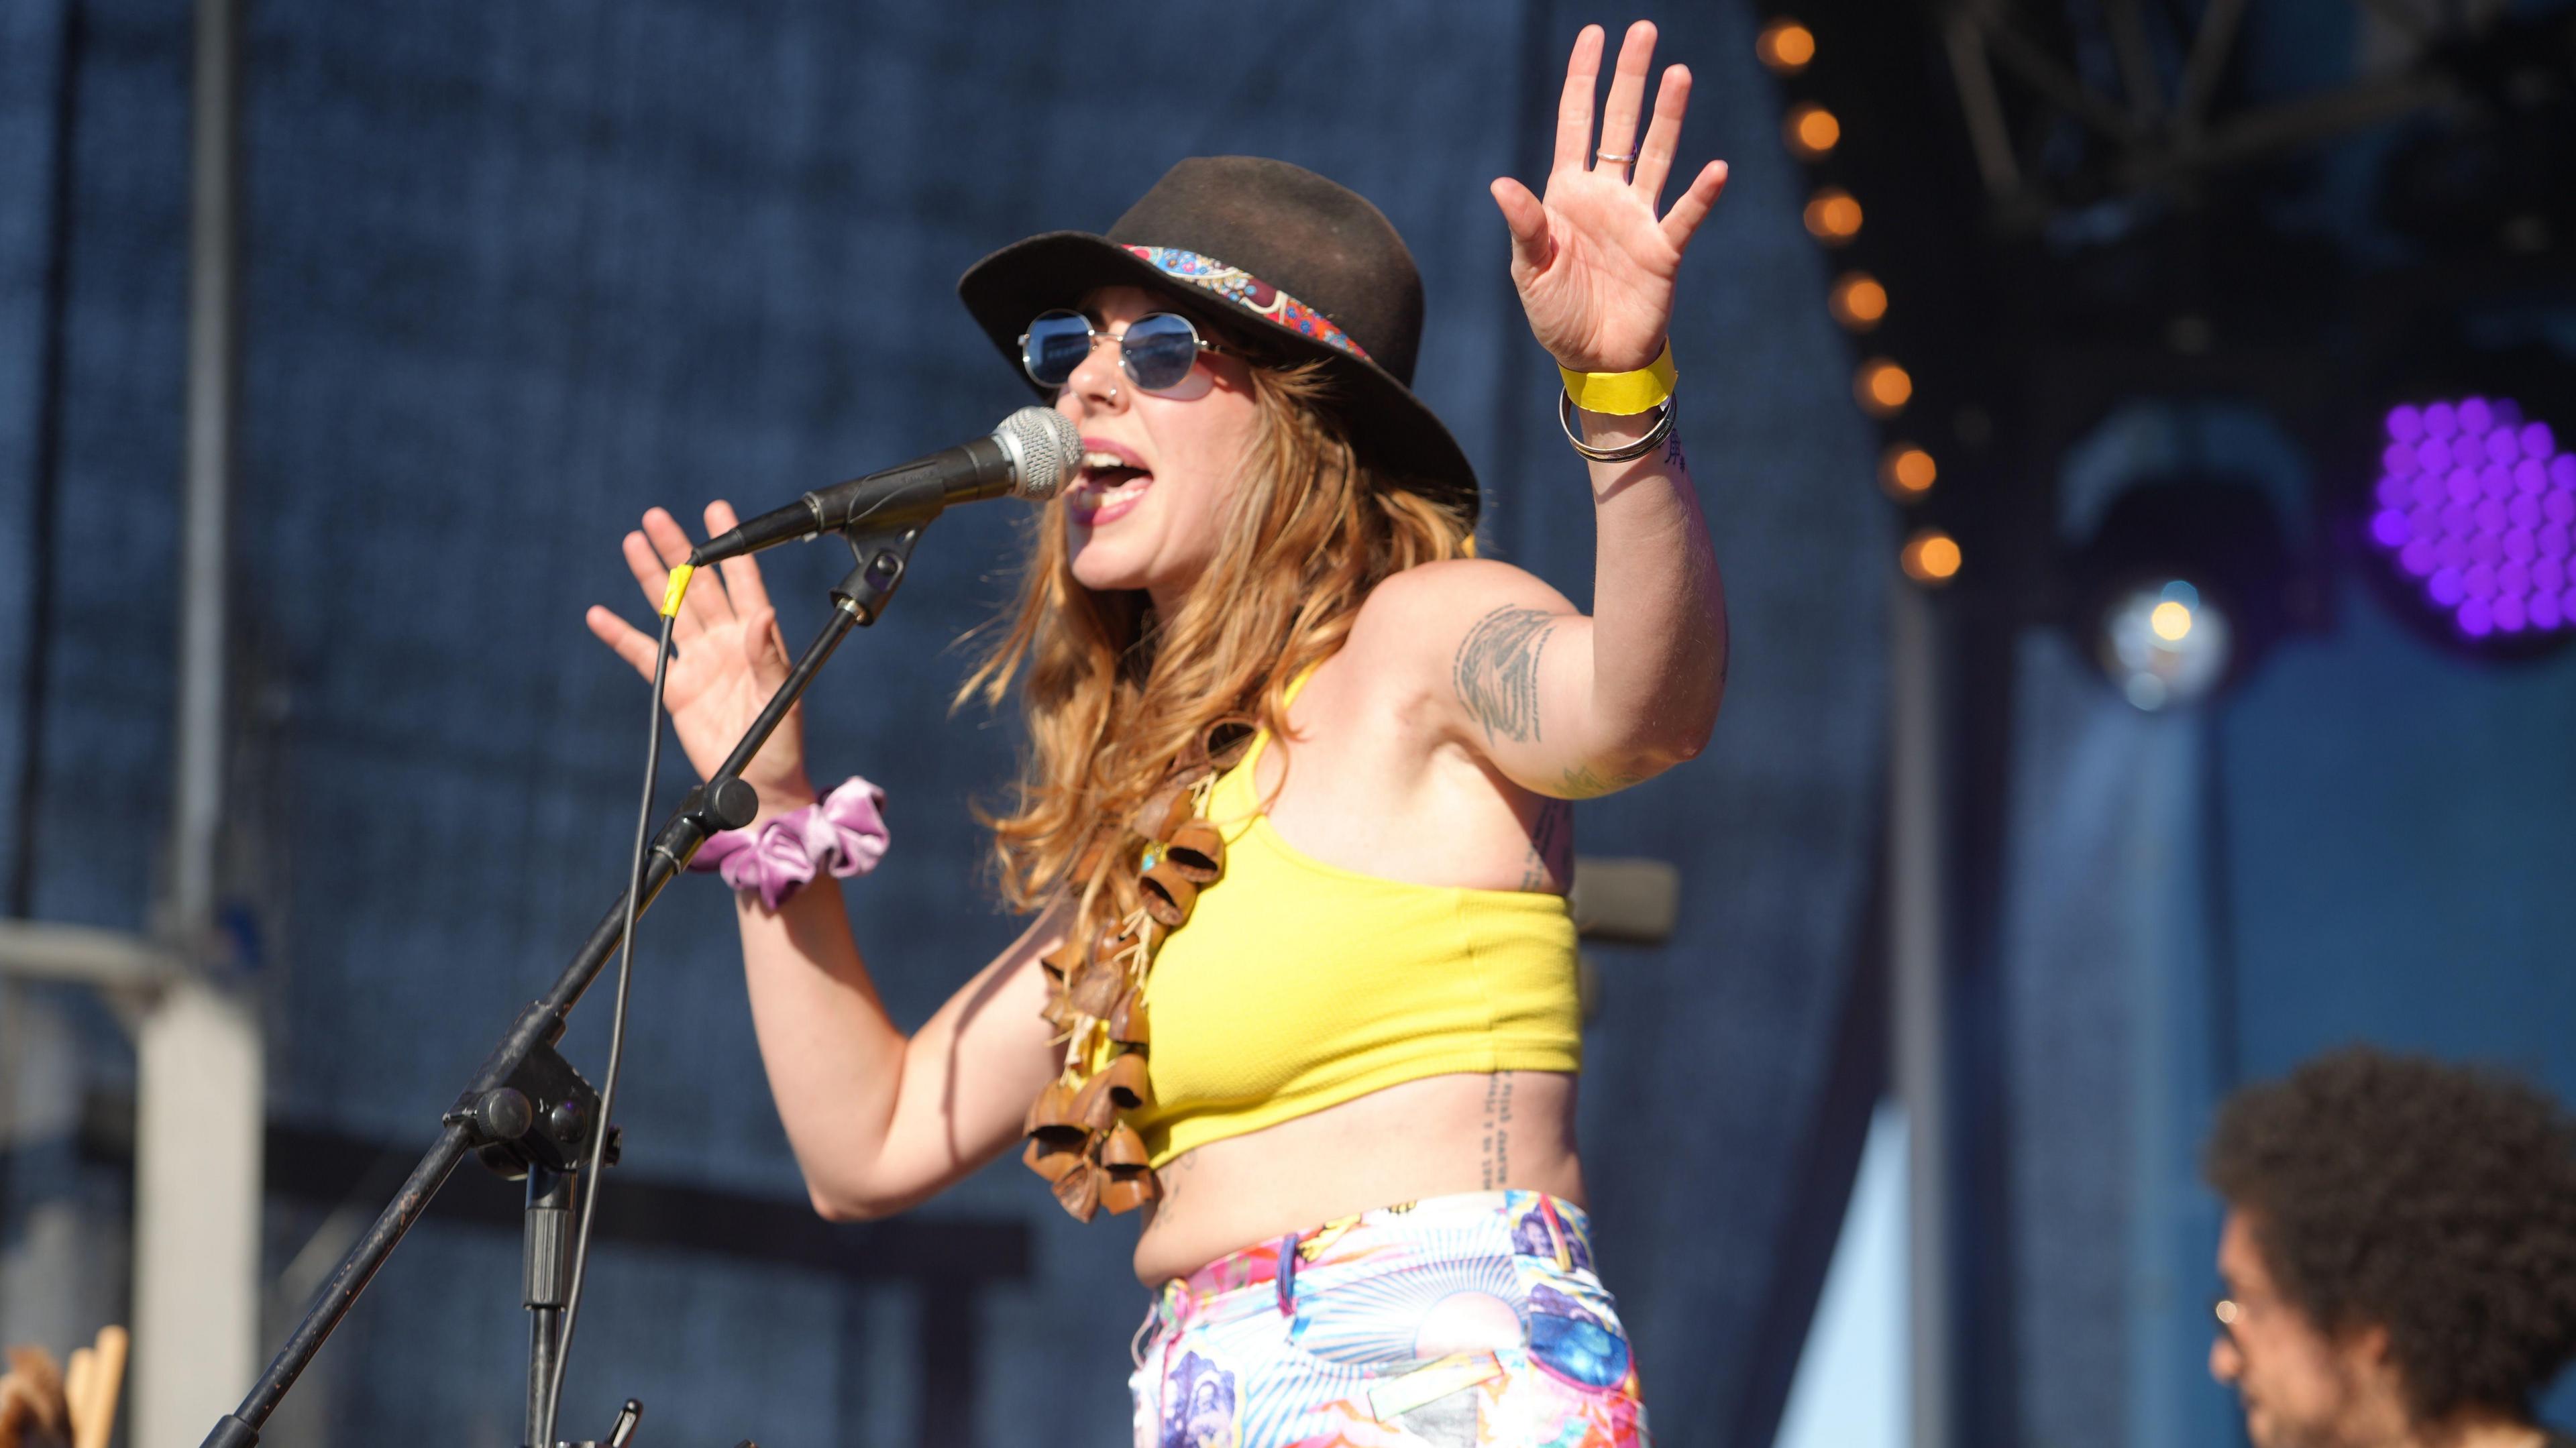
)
(1299, 266)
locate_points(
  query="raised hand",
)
(1593, 263)
(727, 657)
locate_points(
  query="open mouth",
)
(1111, 484)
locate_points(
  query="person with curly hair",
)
(2399, 1252)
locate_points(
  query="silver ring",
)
(1600, 156)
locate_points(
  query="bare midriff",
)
(1433, 1137)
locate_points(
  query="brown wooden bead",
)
(1051, 1158)
(1197, 851)
(1095, 990)
(1127, 1193)
(1123, 1151)
(1169, 895)
(1128, 1024)
(1062, 961)
(1078, 1191)
(1094, 1107)
(1053, 1108)
(1163, 812)
(1127, 1082)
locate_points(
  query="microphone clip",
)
(881, 558)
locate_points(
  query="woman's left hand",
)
(1594, 265)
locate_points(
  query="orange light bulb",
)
(1930, 557)
(1832, 216)
(1810, 131)
(1857, 301)
(1785, 46)
(1882, 387)
(1907, 472)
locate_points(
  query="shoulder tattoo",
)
(1496, 671)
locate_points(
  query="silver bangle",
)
(1667, 409)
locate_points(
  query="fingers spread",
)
(1527, 218)
(647, 567)
(1692, 206)
(705, 606)
(1628, 91)
(1574, 108)
(622, 638)
(764, 649)
(670, 541)
(1655, 153)
(741, 575)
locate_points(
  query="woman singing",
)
(1292, 820)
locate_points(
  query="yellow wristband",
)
(1622, 394)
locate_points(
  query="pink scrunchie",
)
(845, 834)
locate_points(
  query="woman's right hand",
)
(727, 657)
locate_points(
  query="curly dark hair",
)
(2437, 1201)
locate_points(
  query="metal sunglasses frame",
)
(1125, 367)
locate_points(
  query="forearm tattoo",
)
(1496, 672)
(1674, 458)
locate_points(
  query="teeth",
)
(1103, 460)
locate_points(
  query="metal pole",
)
(1916, 831)
(198, 1058)
(197, 802)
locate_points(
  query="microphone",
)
(1033, 453)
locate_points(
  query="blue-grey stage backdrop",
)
(516, 272)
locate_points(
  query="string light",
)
(1930, 557)
(1857, 301)
(1785, 46)
(1810, 131)
(1832, 216)
(1907, 472)
(1882, 387)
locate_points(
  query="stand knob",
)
(504, 1114)
(726, 803)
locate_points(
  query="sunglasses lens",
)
(1056, 344)
(1160, 350)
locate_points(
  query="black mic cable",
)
(595, 1156)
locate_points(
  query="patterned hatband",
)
(1244, 289)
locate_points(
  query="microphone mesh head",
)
(1049, 449)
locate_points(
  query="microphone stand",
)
(527, 1112)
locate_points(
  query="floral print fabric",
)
(1471, 1321)
(1244, 289)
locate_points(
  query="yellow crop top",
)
(1297, 985)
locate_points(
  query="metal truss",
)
(2160, 128)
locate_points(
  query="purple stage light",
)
(2479, 505)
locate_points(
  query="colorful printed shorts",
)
(1471, 1321)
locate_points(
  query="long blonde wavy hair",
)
(1119, 701)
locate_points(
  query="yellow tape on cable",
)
(676, 589)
